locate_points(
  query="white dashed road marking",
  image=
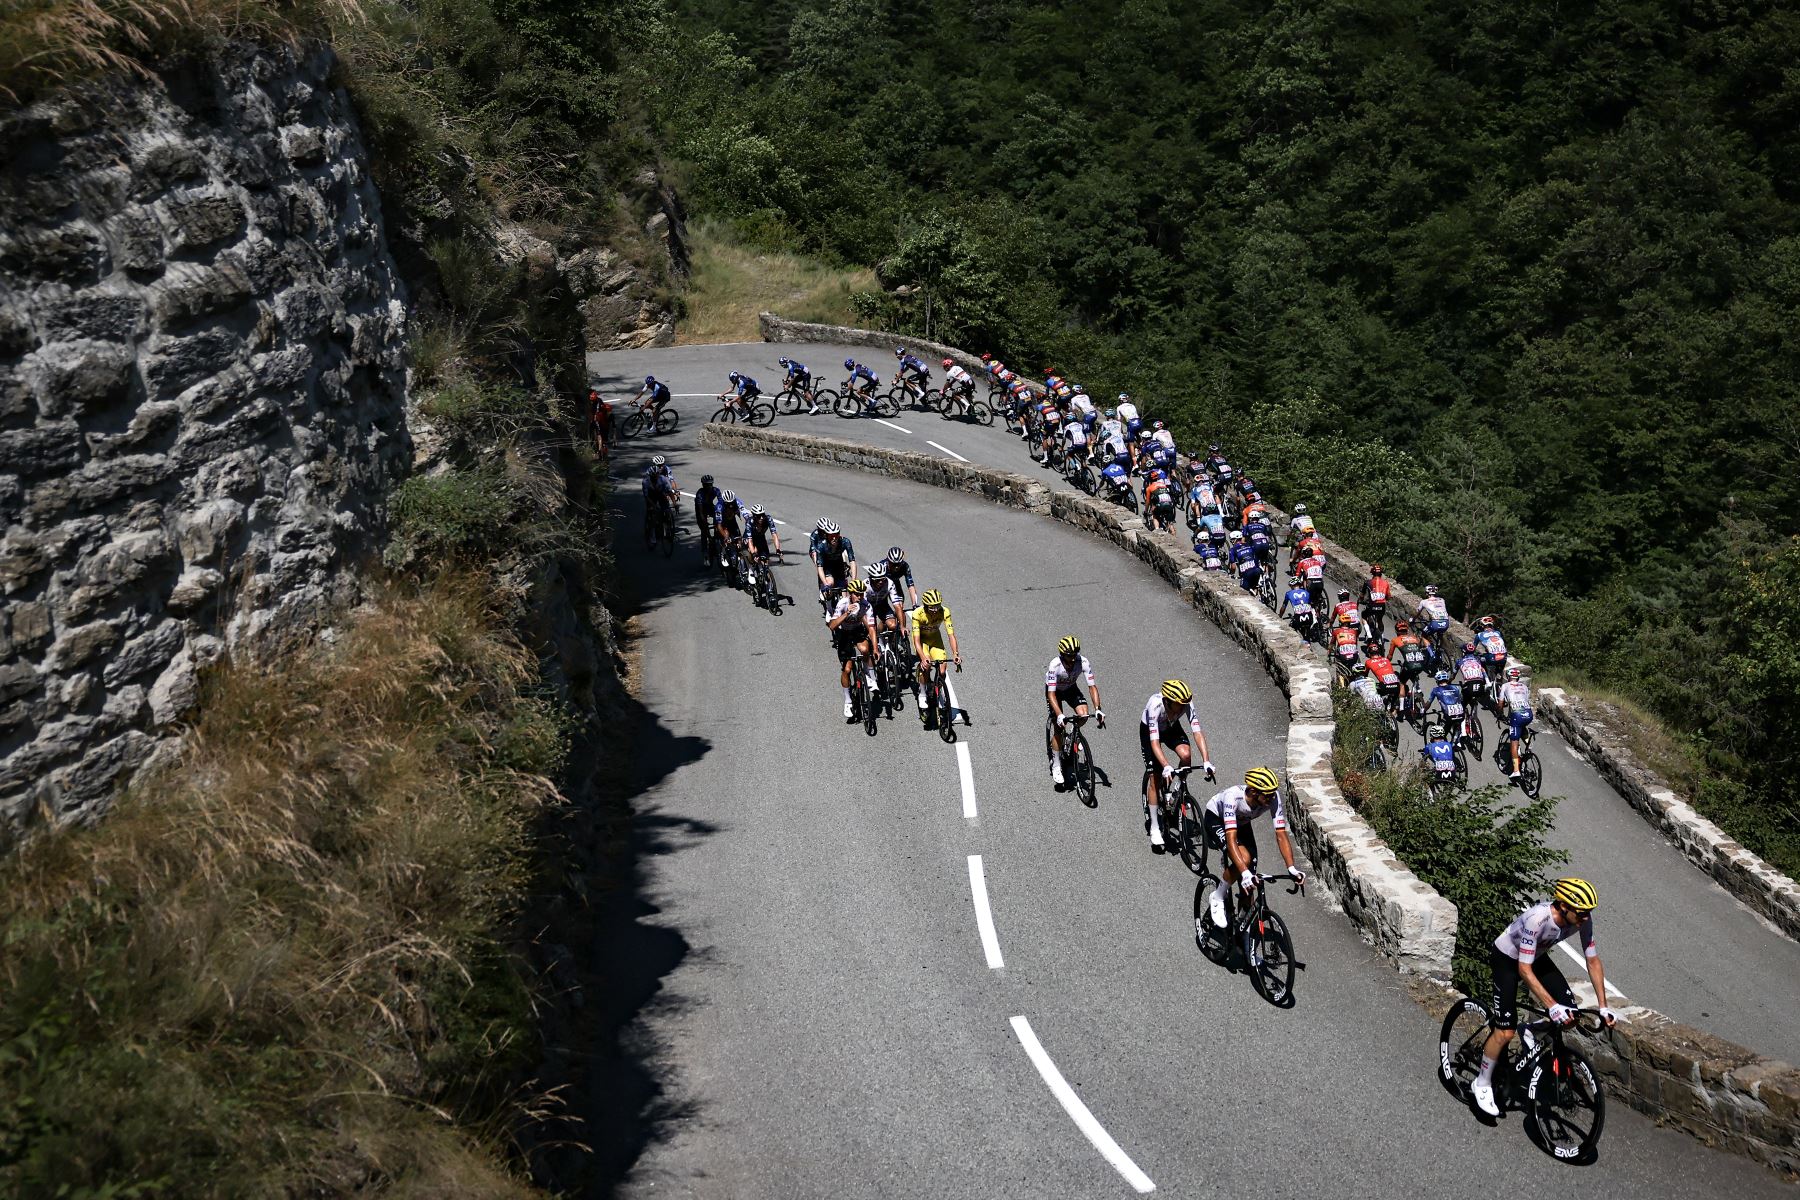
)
(1078, 1112)
(946, 450)
(984, 918)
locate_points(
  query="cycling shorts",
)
(1168, 747)
(1519, 718)
(1213, 829)
(1072, 697)
(1503, 1011)
(932, 651)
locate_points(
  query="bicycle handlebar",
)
(1587, 1020)
(1299, 885)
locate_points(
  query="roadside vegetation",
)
(734, 280)
(1482, 852)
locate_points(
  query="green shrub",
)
(457, 514)
(1481, 853)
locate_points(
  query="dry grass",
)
(1648, 738)
(276, 969)
(733, 283)
(46, 44)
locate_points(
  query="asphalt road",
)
(838, 1029)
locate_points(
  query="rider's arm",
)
(1286, 845)
(1240, 857)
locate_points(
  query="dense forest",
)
(1508, 292)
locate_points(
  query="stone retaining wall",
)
(1406, 919)
(1741, 872)
(1720, 1092)
(201, 386)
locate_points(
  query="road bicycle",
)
(791, 396)
(1445, 779)
(1255, 938)
(660, 529)
(762, 585)
(937, 699)
(649, 419)
(847, 402)
(865, 704)
(1305, 623)
(965, 404)
(1077, 756)
(1531, 769)
(904, 392)
(1265, 589)
(1077, 471)
(893, 673)
(1179, 816)
(755, 413)
(1539, 1073)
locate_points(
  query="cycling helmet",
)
(1253, 496)
(1374, 568)
(829, 528)
(1442, 677)
(1158, 474)
(1431, 589)
(987, 358)
(899, 351)
(757, 510)
(786, 362)
(659, 461)
(1124, 397)
(1110, 414)
(1513, 672)
(1237, 535)
(1261, 779)
(649, 381)
(1487, 622)
(947, 364)
(1156, 424)
(706, 481)
(849, 364)
(1468, 647)
(821, 525)
(1069, 645)
(1176, 692)
(1401, 626)
(855, 586)
(1577, 894)
(735, 377)
(1213, 449)
(931, 599)
(896, 555)
(728, 496)
(1360, 669)
(1300, 509)
(1294, 581)
(872, 570)
(1343, 594)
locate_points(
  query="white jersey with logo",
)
(1433, 608)
(1076, 433)
(1127, 412)
(1165, 438)
(1233, 805)
(853, 606)
(1161, 718)
(1059, 677)
(1536, 929)
(956, 375)
(1515, 694)
(1081, 403)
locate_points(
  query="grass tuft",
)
(275, 968)
(732, 282)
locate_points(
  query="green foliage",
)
(1482, 853)
(455, 515)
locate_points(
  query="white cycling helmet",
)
(1300, 509)
(1431, 589)
(827, 526)
(757, 510)
(1237, 535)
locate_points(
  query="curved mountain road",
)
(838, 1029)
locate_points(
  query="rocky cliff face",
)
(201, 398)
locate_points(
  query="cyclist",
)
(1364, 687)
(1117, 475)
(800, 379)
(657, 394)
(1312, 569)
(1515, 958)
(887, 599)
(1062, 685)
(1111, 435)
(853, 633)
(1299, 523)
(1307, 545)
(1228, 827)
(1344, 644)
(1246, 563)
(899, 571)
(1128, 415)
(1081, 405)
(740, 393)
(1471, 674)
(862, 382)
(1382, 670)
(1345, 607)
(1374, 602)
(1433, 617)
(1257, 536)
(1407, 652)
(763, 535)
(1159, 499)
(660, 492)
(959, 386)
(1167, 723)
(1492, 648)
(706, 506)
(933, 641)
(834, 559)
(1161, 436)
(1515, 710)
(1446, 698)
(1076, 434)
(729, 518)
(1049, 425)
(600, 422)
(912, 370)
(1296, 606)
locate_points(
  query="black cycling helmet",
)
(706, 481)
(649, 381)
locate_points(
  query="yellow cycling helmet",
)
(1577, 894)
(1068, 645)
(1261, 779)
(931, 599)
(1176, 692)
(856, 585)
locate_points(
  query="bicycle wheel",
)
(930, 400)
(762, 414)
(787, 402)
(1190, 841)
(1269, 955)
(1566, 1106)
(667, 420)
(668, 538)
(1207, 937)
(946, 714)
(1461, 775)
(1082, 762)
(633, 426)
(1476, 739)
(728, 415)
(1531, 773)
(846, 405)
(887, 406)
(983, 413)
(1460, 1039)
